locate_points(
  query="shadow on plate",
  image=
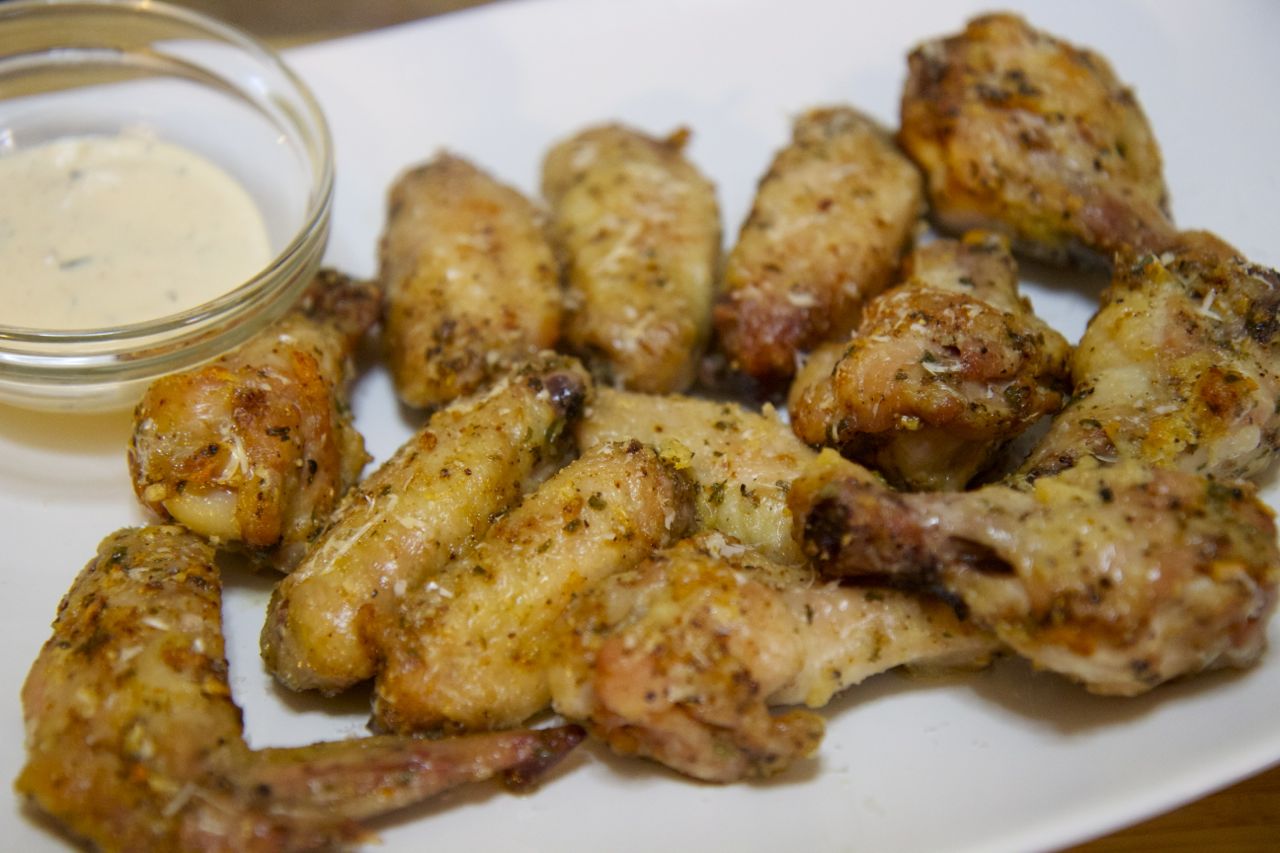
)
(1041, 698)
(57, 455)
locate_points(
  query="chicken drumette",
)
(255, 450)
(1121, 577)
(941, 372)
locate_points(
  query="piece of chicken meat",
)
(1180, 367)
(134, 741)
(741, 461)
(679, 659)
(1120, 577)
(829, 223)
(430, 501)
(468, 649)
(1020, 132)
(472, 285)
(637, 228)
(942, 371)
(255, 450)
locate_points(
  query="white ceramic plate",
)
(1003, 760)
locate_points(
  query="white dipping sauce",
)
(105, 230)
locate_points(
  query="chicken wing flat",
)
(134, 742)
(469, 649)
(471, 283)
(1121, 577)
(742, 462)
(1180, 367)
(941, 372)
(1020, 132)
(679, 659)
(638, 229)
(435, 496)
(255, 449)
(830, 221)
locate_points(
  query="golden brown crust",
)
(941, 372)
(1121, 577)
(680, 659)
(638, 229)
(255, 449)
(436, 495)
(469, 650)
(741, 461)
(472, 284)
(830, 221)
(1178, 368)
(1020, 132)
(134, 742)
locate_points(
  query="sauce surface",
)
(105, 230)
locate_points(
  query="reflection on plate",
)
(1007, 759)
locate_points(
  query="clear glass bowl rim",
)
(74, 356)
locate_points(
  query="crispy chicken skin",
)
(679, 659)
(471, 282)
(638, 230)
(469, 650)
(1180, 367)
(1019, 132)
(742, 462)
(941, 372)
(434, 497)
(1120, 577)
(254, 450)
(830, 221)
(134, 742)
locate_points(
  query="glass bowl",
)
(70, 68)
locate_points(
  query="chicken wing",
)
(941, 372)
(435, 496)
(829, 223)
(1120, 577)
(134, 742)
(679, 659)
(741, 461)
(471, 283)
(1020, 132)
(469, 649)
(255, 449)
(638, 229)
(1180, 367)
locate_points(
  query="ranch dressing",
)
(105, 230)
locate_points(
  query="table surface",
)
(1243, 818)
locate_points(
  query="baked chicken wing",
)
(1020, 132)
(255, 449)
(742, 462)
(471, 283)
(435, 496)
(1180, 367)
(941, 372)
(469, 648)
(679, 659)
(134, 742)
(830, 221)
(1121, 577)
(638, 229)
